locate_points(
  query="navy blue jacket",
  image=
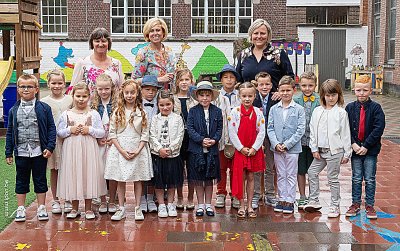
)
(248, 67)
(374, 125)
(258, 103)
(47, 128)
(197, 129)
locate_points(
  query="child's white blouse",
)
(96, 130)
(233, 127)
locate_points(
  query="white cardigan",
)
(175, 133)
(233, 127)
(339, 138)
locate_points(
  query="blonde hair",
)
(55, 72)
(363, 79)
(96, 97)
(257, 24)
(287, 80)
(243, 85)
(309, 75)
(262, 74)
(331, 86)
(79, 86)
(120, 120)
(179, 74)
(150, 24)
(28, 77)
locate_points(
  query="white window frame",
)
(237, 19)
(391, 37)
(125, 17)
(42, 18)
(376, 16)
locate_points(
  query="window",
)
(377, 30)
(54, 17)
(326, 15)
(391, 32)
(129, 16)
(221, 16)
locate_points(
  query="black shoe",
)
(200, 212)
(210, 211)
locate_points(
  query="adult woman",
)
(155, 58)
(99, 62)
(262, 56)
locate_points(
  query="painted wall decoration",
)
(357, 52)
(63, 55)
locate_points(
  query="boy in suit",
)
(286, 126)
(264, 101)
(308, 99)
(31, 138)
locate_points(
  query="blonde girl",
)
(80, 176)
(103, 101)
(59, 102)
(246, 127)
(183, 101)
(330, 144)
(129, 158)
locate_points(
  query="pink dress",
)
(81, 175)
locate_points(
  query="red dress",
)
(247, 134)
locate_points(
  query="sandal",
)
(241, 213)
(210, 211)
(252, 214)
(190, 206)
(200, 212)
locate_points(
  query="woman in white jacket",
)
(330, 144)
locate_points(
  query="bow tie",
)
(25, 104)
(149, 104)
(311, 98)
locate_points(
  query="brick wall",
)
(275, 13)
(364, 12)
(181, 20)
(295, 16)
(86, 15)
(354, 15)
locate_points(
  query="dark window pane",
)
(337, 15)
(392, 46)
(201, 11)
(168, 12)
(316, 15)
(117, 25)
(248, 12)
(244, 25)
(64, 11)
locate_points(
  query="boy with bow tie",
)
(309, 99)
(31, 138)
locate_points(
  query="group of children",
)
(139, 133)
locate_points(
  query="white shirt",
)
(234, 100)
(150, 111)
(207, 118)
(285, 109)
(323, 130)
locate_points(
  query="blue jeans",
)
(363, 167)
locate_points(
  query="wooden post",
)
(6, 44)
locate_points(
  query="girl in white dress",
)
(59, 102)
(80, 175)
(129, 156)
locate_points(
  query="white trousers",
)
(286, 170)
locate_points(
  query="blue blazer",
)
(197, 129)
(258, 103)
(47, 128)
(288, 131)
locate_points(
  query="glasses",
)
(27, 87)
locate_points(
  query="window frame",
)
(376, 17)
(126, 17)
(390, 36)
(221, 35)
(54, 34)
(326, 10)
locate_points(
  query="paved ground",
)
(270, 231)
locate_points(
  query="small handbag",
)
(229, 150)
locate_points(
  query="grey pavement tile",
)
(209, 246)
(305, 237)
(335, 238)
(185, 237)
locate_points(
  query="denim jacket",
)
(100, 109)
(47, 128)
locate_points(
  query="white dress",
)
(137, 169)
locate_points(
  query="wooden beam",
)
(18, 49)
(28, 7)
(9, 18)
(31, 65)
(30, 27)
(8, 8)
(6, 44)
(29, 18)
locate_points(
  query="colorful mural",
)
(63, 55)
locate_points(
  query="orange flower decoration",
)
(262, 121)
(229, 118)
(238, 109)
(258, 124)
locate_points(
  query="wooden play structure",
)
(376, 74)
(22, 17)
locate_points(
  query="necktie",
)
(27, 104)
(361, 126)
(311, 98)
(149, 104)
(229, 95)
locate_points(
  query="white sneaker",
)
(334, 212)
(138, 214)
(162, 211)
(220, 202)
(96, 201)
(20, 214)
(119, 215)
(172, 210)
(56, 207)
(143, 205)
(112, 208)
(103, 207)
(151, 206)
(235, 202)
(42, 213)
(312, 206)
(254, 202)
(73, 214)
(67, 206)
(270, 201)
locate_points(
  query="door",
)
(330, 54)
